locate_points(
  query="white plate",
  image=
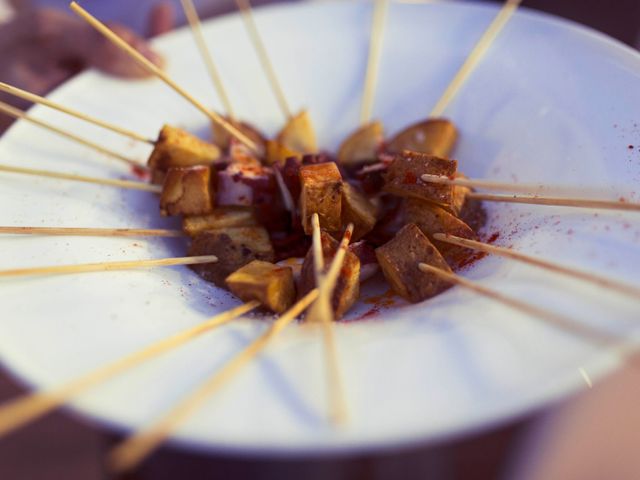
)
(552, 102)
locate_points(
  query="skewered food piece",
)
(403, 177)
(177, 148)
(321, 193)
(434, 137)
(234, 247)
(357, 209)
(347, 288)
(459, 196)
(271, 285)
(298, 134)
(399, 261)
(277, 153)
(368, 261)
(222, 138)
(219, 218)
(362, 146)
(432, 219)
(188, 191)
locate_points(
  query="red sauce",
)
(410, 178)
(140, 172)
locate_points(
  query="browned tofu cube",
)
(357, 209)
(321, 193)
(362, 146)
(435, 136)
(220, 218)
(188, 191)
(403, 177)
(432, 219)
(348, 285)
(277, 154)
(269, 284)
(234, 247)
(459, 197)
(178, 148)
(298, 134)
(399, 261)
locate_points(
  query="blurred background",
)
(593, 435)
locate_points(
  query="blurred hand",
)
(41, 49)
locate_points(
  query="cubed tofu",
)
(362, 146)
(321, 193)
(399, 261)
(271, 285)
(222, 137)
(432, 219)
(403, 177)
(459, 197)
(347, 287)
(219, 218)
(436, 136)
(178, 148)
(234, 247)
(277, 154)
(188, 191)
(298, 134)
(357, 209)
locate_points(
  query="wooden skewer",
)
(475, 56)
(140, 445)
(196, 27)
(15, 113)
(91, 232)
(150, 67)
(31, 97)
(147, 187)
(322, 312)
(380, 10)
(247, 15)
(107, 266)
(557, 201)
(24, 410)
(572, 272)
(556, 319)
(531, 189)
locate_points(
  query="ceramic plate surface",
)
(552, 102)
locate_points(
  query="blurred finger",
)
(162, 19)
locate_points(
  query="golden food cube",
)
(188, 191)
(399, 261)
(432, 219)
(347, 287)
(269, 284)
(298, 134)
(277, 153)
(234, 247)
(178, 148)
(357, 209)
(403, 177)
(222, 137)
(363, 145)
(436, 136)
(219, 218)
(321, 193)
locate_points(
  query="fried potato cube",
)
(234, 247)
(298, 134)
(188, 191)
(399, 261)
(435, 136)
(347, 287)
(321, 193)
(357, 209)
(432, 219)
(223, 138)
(219, 218)
(178, 148)
(271, 285)
(403, 177)
(277, 154)
(362, 145)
